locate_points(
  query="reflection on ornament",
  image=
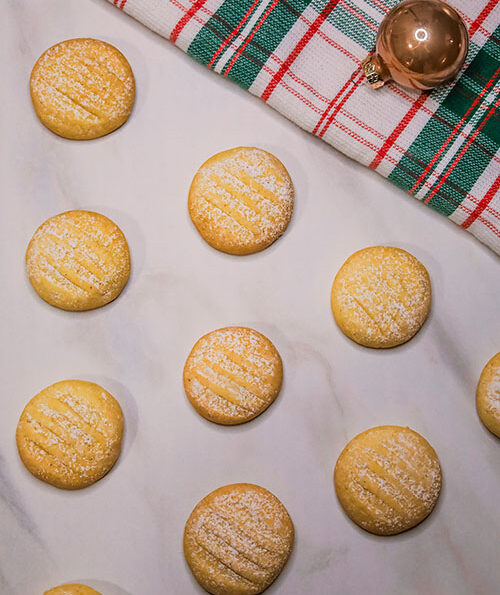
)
(421, 34)
(420, 44)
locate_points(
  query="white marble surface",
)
(124, 535)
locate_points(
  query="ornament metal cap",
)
(375, 71)
(420, 44)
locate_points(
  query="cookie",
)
(82, 88)
(488, 395)
(238, 539)
(232, 375)
(241, 200)
(388, 479)
(70, 434)
(381, 296)
(78, 260)
(73, 589)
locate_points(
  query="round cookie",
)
(488, 395)
(232, 375)
(73, 589)
(78, 260)
(388, 479)
(238, 539)
(241, 200)
(381, 296)
(70, 434)
(82, 88)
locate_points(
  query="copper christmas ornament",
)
(420, 44)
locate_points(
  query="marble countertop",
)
(123, 536)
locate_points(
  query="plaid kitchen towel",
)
(303, 57)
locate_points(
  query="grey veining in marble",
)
(124, 535)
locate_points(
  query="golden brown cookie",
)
(70, 434)
(241, 200)
(381, 296)
(238, 539)
(388, 479)
(82, 88)
(72, 589)
(232, 375)
(488, 395)
(78, 260)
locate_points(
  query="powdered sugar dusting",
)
(243, 197)
(381, 295)
(70, 433)
(392, 478)
(84, 85)
(492, 398)
(233, 374)
(77, 258)
(239, 535)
